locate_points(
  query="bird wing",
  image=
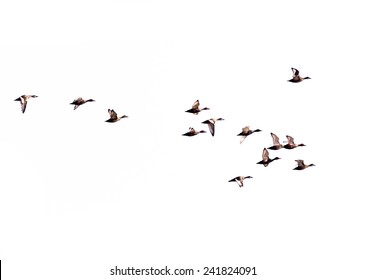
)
(195, 105)
(242, 139)
(23, 102)
(290, 140)
(211, 128)
(112, 113)
(275, 139)
(239, 181)
(300, 162)
(24, 105)
(295, 72)
(265, 155)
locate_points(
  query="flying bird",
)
(24, 100)
(114, 117)
(301, 165)
(296, 77)
(265, 158)
(193, 132)
(245, 132)
(211, 124)
(239, 180)
(291, 144)
(195, 108)
(79, 101)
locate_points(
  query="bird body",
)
(79, 101)
(239, 180)
(245, 132)
(265, 158)
(296, 77)
(211, 124)
(195, 108)
(291, 145)
(193, 132)
(301, 165)
(114, 117)
(24, 100)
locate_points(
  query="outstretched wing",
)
(275, 139)
(239, 181)
(211, 128)
(290, 140)
(23, 102)
(300, 162)
(195, 105)
(265, 155)
(295, 72)
(113, 114)
(23, 105)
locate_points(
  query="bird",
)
(239, 180)
(291, 144)
(301, 165)
(195, 108)
(79, 101)
(211, 124)
(265, 158)
(24, 100)
(277, 145)
(193, 132)
(114, 117)
(296, 78)
(245, 132)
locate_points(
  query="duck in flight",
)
(211, 124)
(79, 101)
(265, 158)
(114, 117)
(24, 100)
(296, 77)
(245, 132)
(291, 145)
(195, 108)
(239, 180)
(193, 132)
(301, 165)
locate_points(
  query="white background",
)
(79, 196)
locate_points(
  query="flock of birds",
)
(246, 131)
(113, 117)
(196, 109)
